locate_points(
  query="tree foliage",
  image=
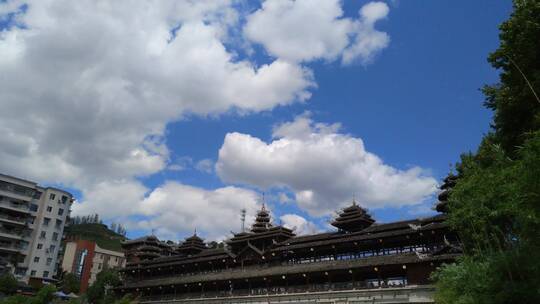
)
(495, 209)
(44, 296)
(516, 108)
(99, 292)
(8, 284)
(495, 205)
(69, 283)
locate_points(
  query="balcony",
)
(11, 247)
(15, 232)
(9, 205)
(11, 234)
(17, 195)
(15, 220)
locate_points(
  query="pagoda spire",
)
(353, 218)
(262, 221)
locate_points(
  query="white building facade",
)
(32, 220)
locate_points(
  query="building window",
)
(52, 196)
(45, 274)
(36, 259)
(46, 221)
(64, 199)
(20, 271)
(39, 246)
(55, 236)
(43, 235)
(116, 259)
(80, 261)
(60, 211)
(34, 207)
(33, 273)
(49, 208)
(58, 224)
(52, 248)
(49, 261)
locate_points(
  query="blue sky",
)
(413, 102)
(418, 104)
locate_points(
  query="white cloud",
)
(180, 164)
(306, 30)
(176, 207)
(284, 198)
(368, 41)
(205, 165)
(87, 87)
(175, 167)
(322, 167)
(112, 199)
(173, 209)
(300, 225)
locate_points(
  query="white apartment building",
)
(32, 220)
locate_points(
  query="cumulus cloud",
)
(306, 30)
(112, 199)
(172, 209)
(88, 87)
(300, 225)
(94, 81)
(323, 167)
(178, 207)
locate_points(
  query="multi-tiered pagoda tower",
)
(353, 218)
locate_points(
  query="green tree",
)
(69, 283)
(495, 205)
(16, 299)
(495, 209)
(514, 102)
(8, 284)
(100, 292)
(44, 296)
(124, 300)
